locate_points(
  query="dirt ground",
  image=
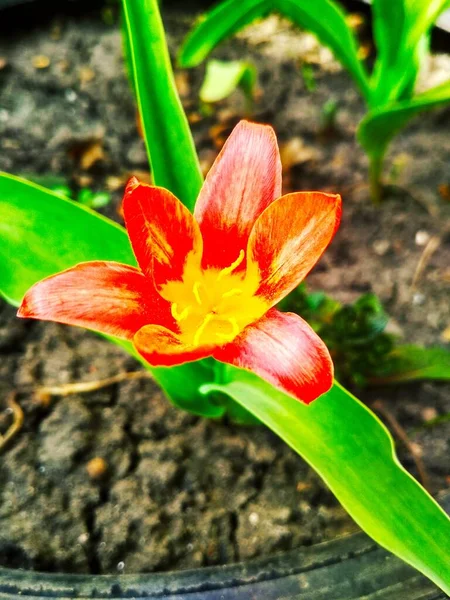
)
(179, 491)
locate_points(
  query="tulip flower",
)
(207, 284)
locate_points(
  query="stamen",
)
(195, 289)
(202, 327)
(179, 316)
(233, 292)
(230, 336)
(233, 266)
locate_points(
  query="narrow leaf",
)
(221, 22)
(222, 78)
(42, 233)
(353, 452)
(399, 30)
(166, 131)
(408, 363)
(326, 20)
(380, 125)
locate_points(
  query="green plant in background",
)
(363, 353)
(401, 32)
(42, 233)
(222, 78)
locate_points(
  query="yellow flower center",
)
(213, 306)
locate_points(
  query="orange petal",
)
(162, 230)
(163, 348)
(244, 179)
(284, 350)
(289, 238)
(103, 296)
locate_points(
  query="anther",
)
(179, 316)
(233, 292)
(202, 327)
(230, 336)
(195, 289)
(234, 265)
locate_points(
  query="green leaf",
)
(380, 125)
(168, 139)
(222, 78)
(409, 362)
(42, 233)
(220, 23)
(400, 27)
(326, 20)
(353, 452)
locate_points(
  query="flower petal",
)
(283, 349)
(162, 231)
(288, 239)
(163, 348)
(244, 179)
(103, 296)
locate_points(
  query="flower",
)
(208, 283)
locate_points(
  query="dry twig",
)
(16, 425)
(66, 389)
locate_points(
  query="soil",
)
(179, 491)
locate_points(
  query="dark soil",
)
(180, 491)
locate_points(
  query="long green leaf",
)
(167, 135)
(324, 18)
(220, 23)
(380, 125)
(42, 233)
(354, 453)
(327, 21)
(409, 363)
(399, 26)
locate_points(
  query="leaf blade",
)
(327, 21)
(380, 125)
(353, 452)
(411, 363)
(219, 23)
(166, 130)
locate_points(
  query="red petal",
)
(283, 349)
(289, 238)
(104, 296)
(162, 231)
(163, 348)
(244, 179)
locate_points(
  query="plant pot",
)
(352, 567)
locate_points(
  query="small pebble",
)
(380, 247)
(40, 61)
(429, 413)
(253, 518)
(71, 96)
(418, 299)
(96, 467)
(422, 238)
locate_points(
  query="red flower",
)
(207, 283)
